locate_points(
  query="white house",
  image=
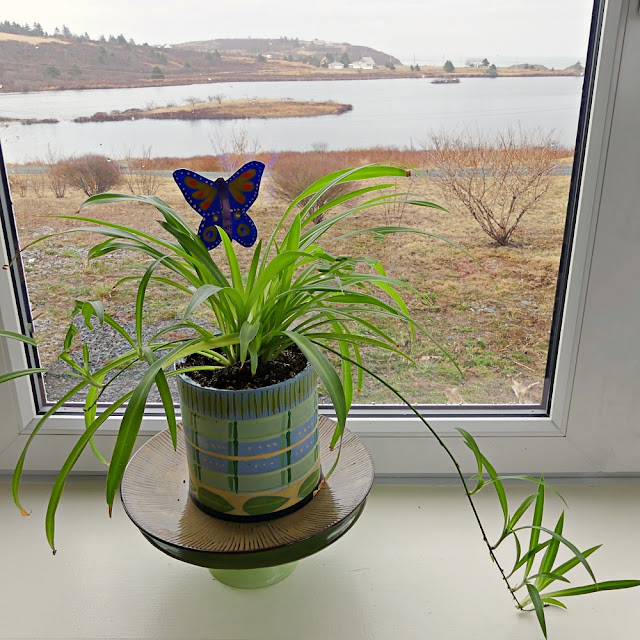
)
(335, 65)
(363, 63)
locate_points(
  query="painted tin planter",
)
(252, 454)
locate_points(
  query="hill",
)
(36, 63)
(292, 49)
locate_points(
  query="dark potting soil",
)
(238, 376)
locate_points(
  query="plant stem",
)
(451, 457)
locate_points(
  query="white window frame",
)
(593, 427)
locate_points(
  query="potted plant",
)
(295, 304)
(257, 354)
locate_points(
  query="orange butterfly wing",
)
(244, 188)
(202, 196)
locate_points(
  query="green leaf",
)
(167, 402)
(214, 500)
(554, 602)
(142, 290)
(565, 542)
(500, 492)
(472, 444)
(253, 268)
(232, 259)
(550, 554)
(90, 309)
(536, 522)
(309, 484)
(17, 472)
(549, 575)
(529, 555)
(520, 511)
(18, 336)
(329, 377)
(261, 505)
(12, 375)
(201, 294)
(61, 479)
(72, 331)
(568, 565)
(90, 408)
(538, 606)
(608, 585)
(248, 332)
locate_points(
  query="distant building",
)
(473, 62)
(335, 65)
(363, 63)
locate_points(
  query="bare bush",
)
(138, 175)
(38, 183)
(57, 180)
(55, 173)
(235, 149)
(19, 184)
(495, 179)
(294, 172)
(91, 173)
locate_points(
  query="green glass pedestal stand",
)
(155, 495)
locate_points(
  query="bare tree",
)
(496, 179)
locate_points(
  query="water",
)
(397, 113)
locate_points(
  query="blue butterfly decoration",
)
(223, 203)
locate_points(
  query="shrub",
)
(156, 73)
(495, 179)
(91, 173)
(294, 172)
(137, 174)
(57, 180)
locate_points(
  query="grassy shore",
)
(494, 319)
(227, 110)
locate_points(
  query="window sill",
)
(414, 566)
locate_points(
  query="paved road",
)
(562, 170)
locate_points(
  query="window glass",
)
(484, 99)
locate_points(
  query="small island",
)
(220, 109)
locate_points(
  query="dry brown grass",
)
(494, 319)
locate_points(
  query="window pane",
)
(484, 99)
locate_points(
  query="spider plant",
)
(295, 292)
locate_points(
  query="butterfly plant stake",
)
(223, 203)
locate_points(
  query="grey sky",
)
(428, 29)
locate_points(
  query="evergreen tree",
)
(156, 73)
(448, 66)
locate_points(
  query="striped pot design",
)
(252, 454)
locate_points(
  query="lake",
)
(398, 113)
